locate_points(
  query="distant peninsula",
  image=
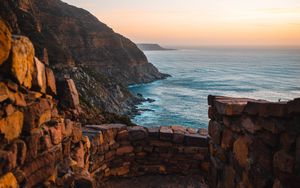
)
(151, 47)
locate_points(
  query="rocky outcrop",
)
(80, 46)
(254, 143)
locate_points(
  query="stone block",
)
(37, 114)
(5, 42)
(21, 65)
(215, 129)
(249, 125)
(203, 132)
(241, 151)
(227, 139)
(12, 125)
(165, 133)
(51, 83)
(56, 132)
(137, 133)
(230, 106)
(287, 139)
(40, 169)
(8, 180)
(78, 155)
(191, 130)
(195, 140)
(68, 93)
(153, 132)
(122, 135)
(120, 171)
(21, 151)
(158, 143)
(267, 109)
(124, 150)
(39, 76)
(4, 93)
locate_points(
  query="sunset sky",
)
(201, 22)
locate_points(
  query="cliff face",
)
(83, 48)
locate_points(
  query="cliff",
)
(101, 62)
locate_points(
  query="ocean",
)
(261, 73)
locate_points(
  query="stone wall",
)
(118, 150)
(254, 143)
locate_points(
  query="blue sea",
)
(260, 73)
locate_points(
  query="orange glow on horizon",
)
(199, 22)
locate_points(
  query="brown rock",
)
(51, 84)
(153, 132)
(8, 180)
(9, 110)
(283, 162)
(40, 169)
(33, 143)
(191, 130)
(273, 125)
(178, 133)
(37, 114)
(227, 139)
(195, 140)
(229, 177)
(45, 57)
(159, 143)
(124, 150)
(79, 155)
(39, 76)
(12, 86)
(4, 93)
(12, 126)
(68, 93)
(165, 133)
(214, 129)
(230, 106)
(249, 125)
(21, 65)
(137, 133)
(76, 133)
(203, 132)
(20, 99)
(5, 42)
(241, 151)
(56, 133)
(120, 171)
(122, 135)
(297, 153)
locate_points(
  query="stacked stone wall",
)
(254, 143)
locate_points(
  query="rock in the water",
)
(5, 42)
(21, 64)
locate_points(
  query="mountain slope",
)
(79, 46)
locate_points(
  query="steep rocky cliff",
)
(101, 62)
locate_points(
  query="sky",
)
(201, 22)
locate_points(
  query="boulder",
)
(12, 125)
(22, 65)
(166, 133)
(5, 42)
(39, 76)
(37, 113)
(51, 84)
(4, 93)
(137, 133)
(8, 180)
(68, 93)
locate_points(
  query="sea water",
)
(261, 73)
